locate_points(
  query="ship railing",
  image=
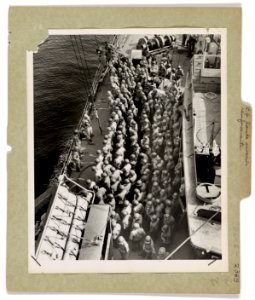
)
(102, 69)
(91, 95)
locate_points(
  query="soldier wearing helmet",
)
(154, 225)
(116, 229)
(148, 248)
(127, 209)
(136, 236)
(76, 158)
(137, 218)
(123, 248)
(162, 253)
(166, 234)
(137, 207)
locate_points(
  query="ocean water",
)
(60, 92)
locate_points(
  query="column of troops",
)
(139, 171)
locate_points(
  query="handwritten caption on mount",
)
(245, 134)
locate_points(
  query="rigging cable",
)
(84, 57)
(79, 66)
(83, 65)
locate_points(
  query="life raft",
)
(208, 192)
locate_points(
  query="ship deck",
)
(181, 230)
(88, 160)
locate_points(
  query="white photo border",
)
(131, 266)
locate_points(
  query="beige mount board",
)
(28, 27)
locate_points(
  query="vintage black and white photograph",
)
(127, 151)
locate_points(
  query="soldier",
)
(159, 207)
(107, 168)
(137, 207)
(162, 253)
(166, 235)
(100, 157)
(168, 220)
(138, 219)
(111, 201)
(127, 209)
(106, 181)
(138, 195)
(87, 131)
(132, 176)
(136, 236)
(179, 74)
(115, 216)
(155, 190)
(177, 204)
(121, 194)
(149, 209)
(123, 248)
(90, 184)
(177, 181)
(116, 229)
(76, 139)
(154, 225)
(100, 194)
(76, 159)
(148, 248)
(114, 185)
(127, 185)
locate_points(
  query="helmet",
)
(76, 131)
(158, 201)
(136, 226)
(135, 202)
(147, 239)
(154, 218)
(149, 196)
(99, 151)
(139, 182)
(164, 228)
(149, 203)
(168, 202)
(136, 215)
(166, 216)
(162, 251)
(126, 203)
(114, 222)
(121, 239)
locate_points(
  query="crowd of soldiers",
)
(139, 172)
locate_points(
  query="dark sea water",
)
(59, 97)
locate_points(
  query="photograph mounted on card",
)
(133, 150)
